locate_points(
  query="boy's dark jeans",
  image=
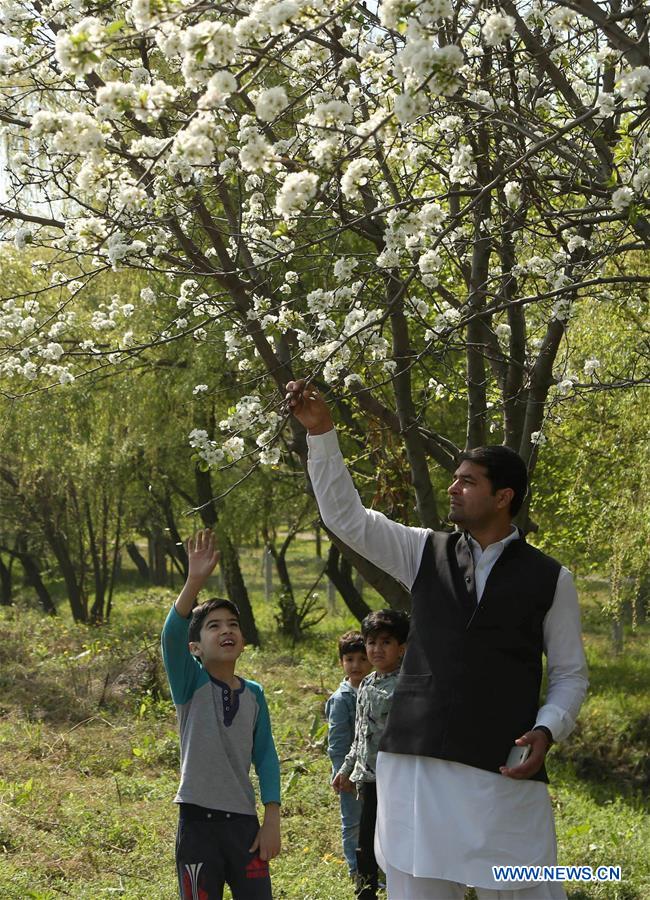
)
(367, 869)
(212, 850)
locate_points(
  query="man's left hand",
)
(539, 744)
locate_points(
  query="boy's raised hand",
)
(202, 555)
(308, 407)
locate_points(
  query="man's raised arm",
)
(392, 547)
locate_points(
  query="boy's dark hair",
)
(392, 621)
(504, 468)
(351, 642)
(203, 609)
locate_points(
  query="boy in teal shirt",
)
(224, 726)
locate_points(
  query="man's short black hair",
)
(392, 621)
(203, 609)
(505, 469)
(351, 642)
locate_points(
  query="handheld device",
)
(517, 756)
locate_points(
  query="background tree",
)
(409, 206)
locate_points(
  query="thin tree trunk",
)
(230, 568)
(6, 593)
(116, 559)
(97, 609)
(418, 463)
(33, 575)
(339, 572)
(138, 560)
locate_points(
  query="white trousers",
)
(402, 886)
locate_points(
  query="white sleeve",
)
(566, 664)
(392, 547)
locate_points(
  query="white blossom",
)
(430, 262)
(622, 198)
(512, 191)
(270, 103)
(355, 177)
(298, 189)
(497, 28)
(635, 84)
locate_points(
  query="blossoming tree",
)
(406, 203)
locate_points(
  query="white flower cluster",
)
(118, 247)
(344, 267)
(606, 104)
(635, 84)
(421, 60)
(622, 198)
(297, 190)
(67, 132)
(79, 50)
(208, 450)
(147, 102)
(355, 177)
(430, 262)
(248, 415)
(512, 191)
(428, 12)
(219, 87)
(197, 144)
(565, 385)
(497, 28)
(270, 103)
(206, 45)
(462, 167)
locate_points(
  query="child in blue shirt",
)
(340, 710)
(224, 727)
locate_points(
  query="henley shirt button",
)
(227, 815)
(209, 815)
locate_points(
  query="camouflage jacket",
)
(373, 703)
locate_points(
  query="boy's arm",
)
(180, 665)
(340, 732)
(341, 781)
(267, 766)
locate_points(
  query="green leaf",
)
(114, 27)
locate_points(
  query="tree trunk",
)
(76, 596)
(230, 568)
(115, 563)
(339, 572)
(138, 560)
(394, 593)
(33, 576)
(5, 584)
(158, 558)
(236, 588)
(97, 609)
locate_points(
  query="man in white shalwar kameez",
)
(447, 816)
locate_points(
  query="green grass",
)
(88, 754)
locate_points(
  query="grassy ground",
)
(88, 755)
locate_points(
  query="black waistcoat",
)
(471, 676)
